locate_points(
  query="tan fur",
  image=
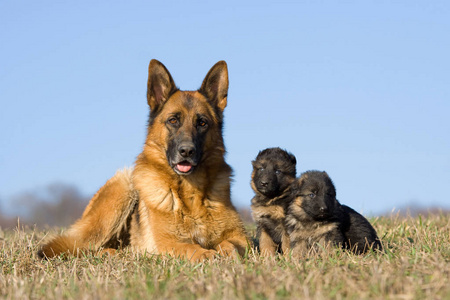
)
(188, 216)
(275, 211)
(104, 222)
(309, 237)
(266, 245)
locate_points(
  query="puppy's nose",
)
(323, 209)
(264, 183)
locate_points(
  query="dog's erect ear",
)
(302, 179)
(215, 85)
(160, 85)
(329, 181)
(296, 186)
(293, 159)
(257, 164)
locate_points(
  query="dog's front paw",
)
(227, 249)
(203, 255)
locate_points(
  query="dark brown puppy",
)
(273, 173)
(315, 217)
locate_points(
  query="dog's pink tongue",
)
(184, 167)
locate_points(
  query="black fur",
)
(316, 216)
(185, 142)
(358, 232)
(274, 170)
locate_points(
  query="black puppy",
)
(315, 217)
(273, 173)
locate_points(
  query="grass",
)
(415, 265)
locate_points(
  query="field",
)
(415, 265)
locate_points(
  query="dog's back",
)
(359, 234)
(100, 227)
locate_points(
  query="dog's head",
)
(186, 124)
(274, 170)
(314, 193)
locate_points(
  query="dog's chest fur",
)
(274, 212)
(309, 231)
(193, 228)
(269, 217)
(182, 210)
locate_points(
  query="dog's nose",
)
(323, 209)
(186, 150)
(264, 183)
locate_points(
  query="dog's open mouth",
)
(184, 167)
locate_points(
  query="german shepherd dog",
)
(176, 200)
(315, 217)
(274, 170)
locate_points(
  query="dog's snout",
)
(323, 209)
(186, 150)
(264, 183)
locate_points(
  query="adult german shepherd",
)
(176, 200)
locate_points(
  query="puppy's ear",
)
(293, 159)
(160, 85)
(329, 181)
(296, 187)
(302, 180)
(215, 85)
(259, 155)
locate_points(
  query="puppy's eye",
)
(261, 169)
(312, 195)
(173, 121)
(277, 172)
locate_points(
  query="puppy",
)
(274, 171)
(315, 217)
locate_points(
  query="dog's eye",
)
(261, 169)
(173, 121)
(277, 172)
(312, 195)
(202, 123)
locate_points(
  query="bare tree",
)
(5, 220)
(56, 205)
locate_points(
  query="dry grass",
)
(416, 265)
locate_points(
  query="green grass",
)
(415, 265)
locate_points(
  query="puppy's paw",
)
(107, 252)
(268, 252)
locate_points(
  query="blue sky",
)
(360, 89)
